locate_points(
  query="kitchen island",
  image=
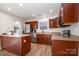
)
(64, 46)
(17, 44)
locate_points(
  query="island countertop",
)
(50, 33)
(55, 36)
(22, 35)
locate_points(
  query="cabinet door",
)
(64, 48)
(49, 39)
(71, 48)
(70, 13)
(53, 23)
(34, 24)
(44, 39)
(39, 38)
(26, 45)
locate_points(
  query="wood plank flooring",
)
(36, 50)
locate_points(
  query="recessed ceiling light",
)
(51, 11)
(20, 4)
(9, 9)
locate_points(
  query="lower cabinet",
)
(64, 48)
(26, 45)
(44, 39)
(17, 45)
(0, 42)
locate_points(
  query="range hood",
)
(61, 23)
(64, 25)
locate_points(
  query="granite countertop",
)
(44, 33)
(55, 36)
(22, 35)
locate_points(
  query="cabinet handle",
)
(24, 41)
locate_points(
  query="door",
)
(27, 28)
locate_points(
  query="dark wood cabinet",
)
(26, 41)
(0, 42)
(69, 13)
(39, 38)
(64, 48)
(16, 45)
(44, 39)
(78, 12)
(53, 23)
(34, 24)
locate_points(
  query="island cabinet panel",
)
(70, 13)
(64, 48)
(44, 39)
(16, 45)
(11, 44)
(26, 41)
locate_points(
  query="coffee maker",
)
(66, 33)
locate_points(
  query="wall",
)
(75, 29)
(7, 22)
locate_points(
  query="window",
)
(43, 25)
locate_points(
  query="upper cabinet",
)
(34, 24)
(69, 13)
(53, 23)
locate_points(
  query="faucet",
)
(42, 31)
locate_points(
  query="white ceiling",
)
(28, 9)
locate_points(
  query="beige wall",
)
(7, 22)
(75, 29)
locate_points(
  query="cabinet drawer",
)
(26, 49)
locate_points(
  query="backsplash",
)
(75, 29)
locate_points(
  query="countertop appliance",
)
(66, 33)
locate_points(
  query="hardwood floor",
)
(36, 50)
(40, 50)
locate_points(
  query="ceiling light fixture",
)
(9, 9)
(20, 4)
(51, 11)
